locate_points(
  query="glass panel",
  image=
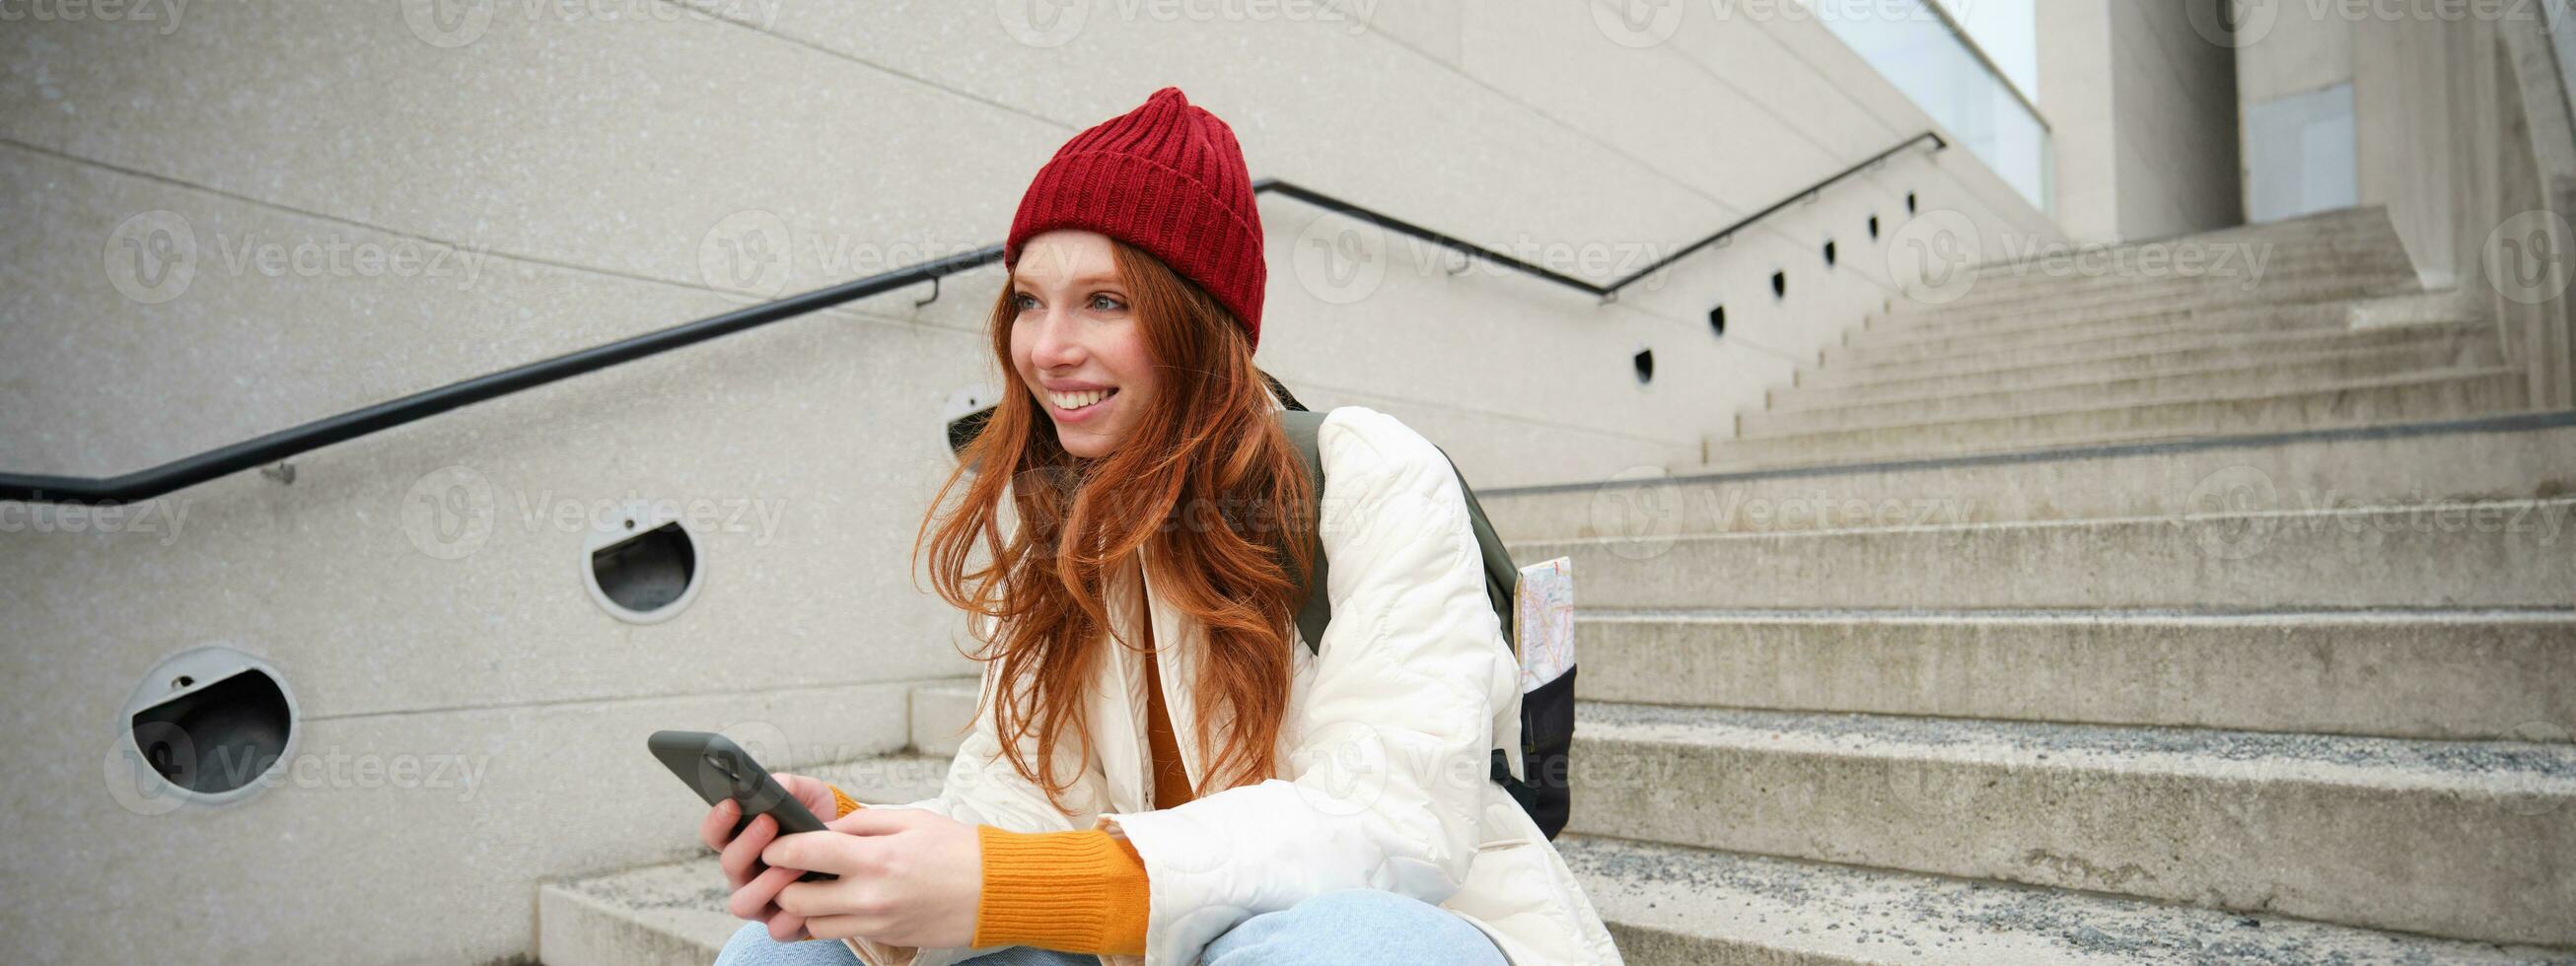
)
(1918, 50)
(2299, 155)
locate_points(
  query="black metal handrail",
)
(189, 471)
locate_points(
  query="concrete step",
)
(1882, 347)
(2346, 312)
(2424, 396)
(2465, 840)
(2361, 229)
(2432, 346)
(2174, 341)
(2208, 268)
(2527, 456)
(672, 913)
(941, 714)
(2046, 309)
(1670, 905)
(2284, 374)
(1998, 297)
(2494, 554)
(2445, 674)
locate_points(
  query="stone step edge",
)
(2364, 307)
(2476, 767)
(2039, 311)
(2502, 423)
(2368, 284)
(1698, 905)
(2319, 358)
(2401, 381)
(2395, 337)
(2165, 326)
(1833, 376)
(2409, 379)
(2462, 509)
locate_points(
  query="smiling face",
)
(1076, 341)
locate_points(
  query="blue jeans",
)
(1336, 928)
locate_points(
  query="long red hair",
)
(1206, 477)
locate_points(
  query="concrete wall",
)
(2143, 108)
(258, 214)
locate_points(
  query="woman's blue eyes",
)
(1024, 299)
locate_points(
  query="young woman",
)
(1159, 770)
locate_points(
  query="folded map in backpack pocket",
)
(1543, 621)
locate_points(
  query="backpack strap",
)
(1317, 613)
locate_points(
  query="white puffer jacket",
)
(1387, 735)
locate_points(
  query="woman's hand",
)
(755, 889)
(908, 877)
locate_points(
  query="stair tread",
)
(2323, 357)
(2206, 340)
(2428, 377)
(1993, 526)
(2036, 448)
(2547, 768)
(1773, 910)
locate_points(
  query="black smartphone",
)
(718, 769)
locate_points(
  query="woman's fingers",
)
(717, 828)
(758, 898)
(740, 856)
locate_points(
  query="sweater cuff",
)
(842, 803)
(1078, 891)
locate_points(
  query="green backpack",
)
(1547, 711)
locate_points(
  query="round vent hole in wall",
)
(642, 566)
(206, 726)
(963, 415)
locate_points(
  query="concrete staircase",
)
(2083, 620)
(2102, 619)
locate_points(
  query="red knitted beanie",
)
(1168, 178)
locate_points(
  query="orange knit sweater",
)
(1077, 891)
